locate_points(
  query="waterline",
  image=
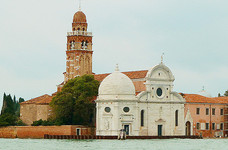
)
(153, 144)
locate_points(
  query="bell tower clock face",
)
(159, 92)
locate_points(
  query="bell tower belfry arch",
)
(79, 48)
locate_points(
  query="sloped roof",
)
(195, 98)
(130, 74)
(44, 99)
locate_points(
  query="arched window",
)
(142, 118)
(176, 117)
(83, 42)
(72, 44)
(78, 29)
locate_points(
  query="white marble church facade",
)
(154, 112)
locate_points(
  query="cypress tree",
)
(4, 105)
(10, 110)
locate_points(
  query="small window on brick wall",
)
(207, 126)
(213, 126)
(221, 126)
(213, 111)
(207, 111)
(221, 111)
(198, 126)
(197, 111)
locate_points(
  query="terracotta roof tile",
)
(131, 74)
(195, 98)
(44, 99)
(139, 85)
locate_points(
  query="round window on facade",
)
(126, 109)
(159, 92)
(107, 109)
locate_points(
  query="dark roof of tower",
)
(79, 17)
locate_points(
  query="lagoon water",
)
(153, 144)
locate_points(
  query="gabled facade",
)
(161, 109)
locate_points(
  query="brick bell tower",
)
(79, 48)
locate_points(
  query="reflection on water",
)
(154, 144)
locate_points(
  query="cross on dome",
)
(117, 67)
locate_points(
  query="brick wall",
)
(43, 112)
(226, 120)
(39, 131)
(8, 132)
(28, 113)
(34, 112)
(202, 118)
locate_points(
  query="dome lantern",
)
(79, 22)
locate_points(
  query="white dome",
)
(117, 84)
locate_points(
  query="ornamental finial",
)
(117, 67)
(162, 56)
(80, 5)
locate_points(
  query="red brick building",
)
(208, 114)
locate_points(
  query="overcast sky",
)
(193, 34)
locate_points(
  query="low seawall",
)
(115, 137)
(8, 132)
(67, 132)
(38, 132)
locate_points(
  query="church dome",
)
(117, 83)
(204, 93)
(79, 17)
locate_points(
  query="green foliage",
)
(37, 123)
(10, 111)
(73, 105)
(19, 122)
(43, 123)
(226, 93)
(8, 105)
(8, 120)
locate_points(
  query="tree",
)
(8, 120)
(10, 111)
(8, 105)
(226, 93)
(73, 105)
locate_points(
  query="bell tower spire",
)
(79, 48)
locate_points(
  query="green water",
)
(155, 144)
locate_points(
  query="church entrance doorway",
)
(126, 129)
(188, 128)
(159, 130)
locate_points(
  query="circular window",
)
(126, 109)
(159, 92)
(107, 109)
